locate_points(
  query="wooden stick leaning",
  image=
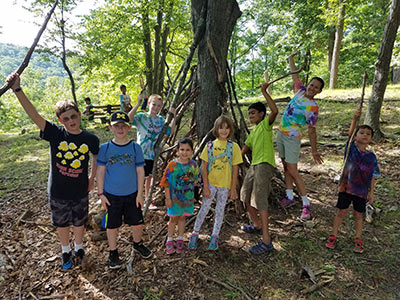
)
(28, 55)
(354, 131)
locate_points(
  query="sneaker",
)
(331, 243)
(261, 248)
(287, 202)
(251, 229)
(169, 247)
(152, 206)
(142, 249)
(67, 260)
(180, 246)
(113, 260)
(213, 243)
(79, 256)
(358, 248)
(193, 241)
(368, 213)
(306, 213)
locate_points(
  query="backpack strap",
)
(228, 152)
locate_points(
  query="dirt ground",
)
(30, 254)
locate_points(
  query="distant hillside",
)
(11, 57)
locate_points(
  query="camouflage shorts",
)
(66, 213)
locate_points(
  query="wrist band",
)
(100, 194)
(17, 90)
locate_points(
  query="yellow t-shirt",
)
(221, 174)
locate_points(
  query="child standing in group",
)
(179, 180)
(124, 99)
(120, 178)
(257, 183)
(302, 109)
(68, 184)
(149, 125)
(220, 160)
(357, 181)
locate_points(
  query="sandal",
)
(251, 229)
(261, 248)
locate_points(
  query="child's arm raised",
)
(354, 122)
(292, 65)
(271, 103)
(132, 112)
(25, 103)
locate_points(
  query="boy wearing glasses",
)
(68, 183)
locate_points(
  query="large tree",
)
(220, 18)
(382, 69)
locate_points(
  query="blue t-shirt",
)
(358, 172)
(121, 162)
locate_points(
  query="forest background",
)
(121, 41)
(109, 48)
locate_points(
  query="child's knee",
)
(357, 215)
(342, 213)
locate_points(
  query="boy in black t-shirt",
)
(69, 164)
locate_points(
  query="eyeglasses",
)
(72, 117)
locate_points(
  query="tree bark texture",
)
(382, 67)
(220, 18)
(337, 46)
(147, 47)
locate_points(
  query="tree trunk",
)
(331, 44)
(147, 47)
(337, 46)
(382, 70)
(221, 18)
(157, 49)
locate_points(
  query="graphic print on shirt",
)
(220, 163)
(70, 158)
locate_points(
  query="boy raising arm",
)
(69, 164)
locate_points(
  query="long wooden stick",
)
(354, 131)
(283, 76)
(28, 55)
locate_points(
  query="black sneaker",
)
(113, 260)
(142, 249)
(79, 256)
(67, 260)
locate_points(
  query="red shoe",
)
(331, 243)
(358, 248)
(169, 247)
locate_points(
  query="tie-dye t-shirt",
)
(148, 129)
(181, 180)
(299, 111)
(358, 172)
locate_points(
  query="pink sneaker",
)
(306, 213)
(180, 246)
(286, 202)
(169, 247)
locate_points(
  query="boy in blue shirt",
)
(120, 178)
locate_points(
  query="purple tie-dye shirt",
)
(358, 172)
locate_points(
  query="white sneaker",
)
(368, 213)
(152, 206)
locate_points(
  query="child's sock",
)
(169, 239)
(305, 200)
(180, 238)
(78, 247)
(66, 249)
(289, 194)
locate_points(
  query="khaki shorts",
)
(257, 186)
(288, 147)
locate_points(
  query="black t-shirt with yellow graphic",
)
(69, 161)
